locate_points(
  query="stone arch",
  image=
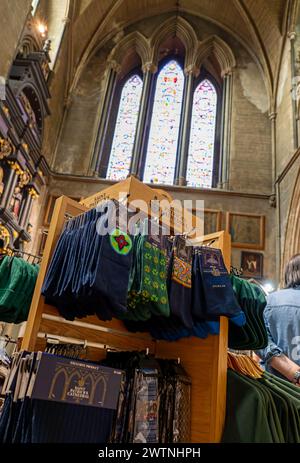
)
(183, 30)
(292, 235)
(29, 44)
(222, 52)
(134, 41)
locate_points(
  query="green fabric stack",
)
(17, 282)
(265, 410)
(147, 292)
(252, 300)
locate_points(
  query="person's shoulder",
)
(284, 297)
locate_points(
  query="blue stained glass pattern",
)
(121, 150)
(202, 136)
(163, 136)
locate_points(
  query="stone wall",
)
(79, 127)
(250, 136)
(251, 127)
(13, 14)
(286, 173)
(250, 132)
(213, 199)
(284, 118)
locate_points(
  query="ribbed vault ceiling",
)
(259, 24)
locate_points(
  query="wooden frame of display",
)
(205, 360)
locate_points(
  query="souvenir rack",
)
(205, 360)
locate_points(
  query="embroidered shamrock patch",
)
(120, 242)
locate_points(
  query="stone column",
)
(112, 73)
(294, 77)
(225, 131)
(149, 69)
(275, 197)
(272, 117)
(185, 126)
(25, 210)
(10, 185)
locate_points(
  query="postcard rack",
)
(204, 360)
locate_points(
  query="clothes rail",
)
(91, 326)
(205, 360)
(81, 342)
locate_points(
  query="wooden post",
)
(63, 205)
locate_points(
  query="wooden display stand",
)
(204, 360)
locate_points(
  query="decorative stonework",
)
(4, 235)
(6, 148)
(24, 179)
(33, 193)
(16, 167)
(24, 175)
(195, 51)
(273, 201)
(149, 67)
(133, 41)
(29, 111)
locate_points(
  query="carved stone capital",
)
(292, 35)
(192, 69)
(114, 65)
(149, 67)
(17, 168)
(33, 193)
(226, 72)
(273, 200)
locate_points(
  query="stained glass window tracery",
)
(123, 140)
(202, 136)
(164, 130)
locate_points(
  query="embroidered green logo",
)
(121, 242)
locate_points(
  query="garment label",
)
(212, 262)
(72, 381)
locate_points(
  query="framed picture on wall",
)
(246, 230)
(212, 221)
(252, 264)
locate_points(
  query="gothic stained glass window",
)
(163, 136)
(121, 150)
(202, 136)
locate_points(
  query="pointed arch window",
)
(125, 127)
(164, 130)
(202, 136)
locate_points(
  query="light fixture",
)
(42, 28)
(268, 287)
